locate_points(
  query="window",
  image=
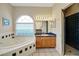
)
(24, 26)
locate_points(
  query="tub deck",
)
(15, 43)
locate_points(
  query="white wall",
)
(32, 11)
(6, 11)
(59, 30)
(57, 16)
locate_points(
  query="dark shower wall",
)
(72, 25)
(72, 30)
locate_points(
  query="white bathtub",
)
(15, 44)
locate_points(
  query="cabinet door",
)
(39, 43)
(49, 42)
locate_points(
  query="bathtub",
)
(12, 45)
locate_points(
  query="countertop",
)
(45, 35)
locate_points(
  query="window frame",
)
(25, 23)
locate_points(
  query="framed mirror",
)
(5, 22)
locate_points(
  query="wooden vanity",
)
(45, 41)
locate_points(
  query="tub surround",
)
(14, 47)
(11, 46)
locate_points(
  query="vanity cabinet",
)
(45, 41)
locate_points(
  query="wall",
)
(6, 11)
(32, 11)
(72, 9)
(57, 14)
(57, 30)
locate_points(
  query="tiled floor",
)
(71, 51)
(45, 52)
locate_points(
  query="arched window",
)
(25, 26)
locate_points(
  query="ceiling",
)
(33, 4)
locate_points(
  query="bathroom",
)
(31, 29)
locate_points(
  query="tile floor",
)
(45, 52)
(70, 51)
